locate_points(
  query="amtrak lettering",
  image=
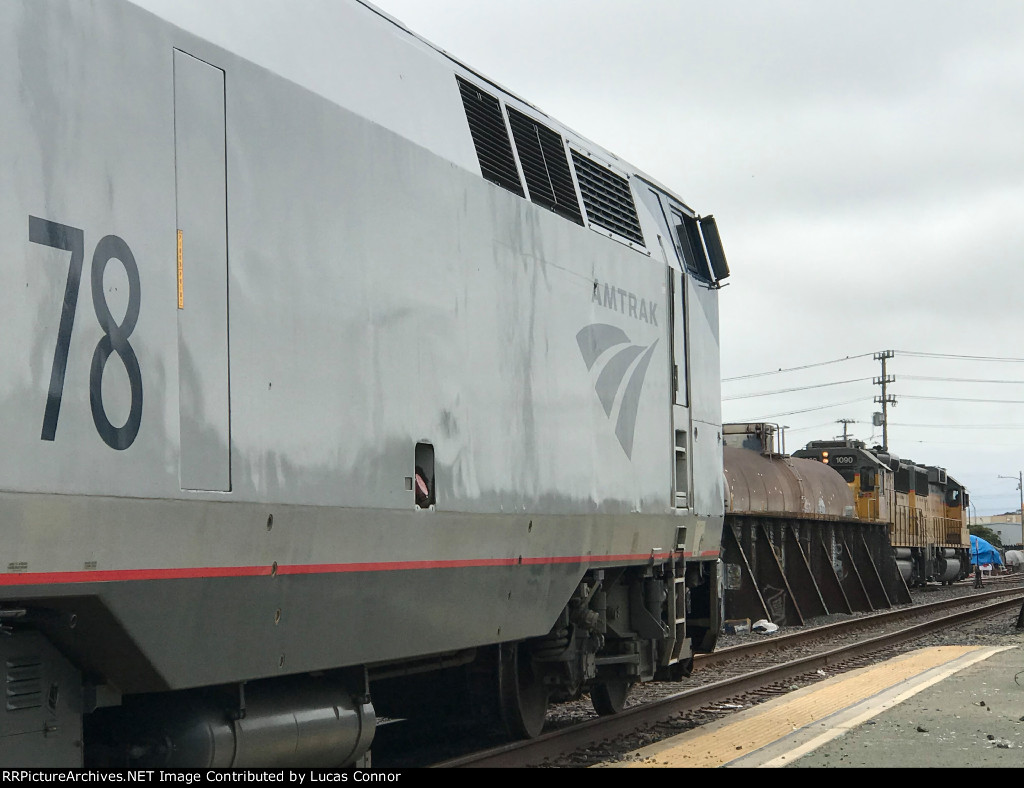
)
(627, 303)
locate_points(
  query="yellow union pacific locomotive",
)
(925, 507)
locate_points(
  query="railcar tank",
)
(759, 480)
(313, 334)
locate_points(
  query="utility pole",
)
(844, 422)
(886, 399)
(1020, 486)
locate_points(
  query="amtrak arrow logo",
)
(616, 381)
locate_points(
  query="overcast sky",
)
(865, 163)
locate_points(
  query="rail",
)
(562, 743)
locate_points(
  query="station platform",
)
(942, 707)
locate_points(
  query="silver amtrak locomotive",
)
(340, 382)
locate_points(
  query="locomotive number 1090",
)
(115, 335)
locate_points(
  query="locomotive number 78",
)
(115, 335)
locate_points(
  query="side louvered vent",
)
(490, 136)
(545, 166)
(608, 199)
(24, 684)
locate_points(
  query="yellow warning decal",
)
(181, 280)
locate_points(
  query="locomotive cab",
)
(869, 476)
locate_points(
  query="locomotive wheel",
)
(522, 693)
(609, 697)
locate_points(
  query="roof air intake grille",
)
(490, 136)
(545, 166)
(608, 199)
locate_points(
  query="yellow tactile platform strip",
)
(737, 736)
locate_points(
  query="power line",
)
(912, 353)
(960, 358)
(961, 426)
(812, 427)
(958, 443)
(795, 412)
(960, 380)
(796, 388)
(906, 428)
(795, 369)
(965, 399)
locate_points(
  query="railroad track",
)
(755, 686)
(850, 627)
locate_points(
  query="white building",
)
(1007, 525)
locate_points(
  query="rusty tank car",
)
(793, 545)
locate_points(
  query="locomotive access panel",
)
(200, 172)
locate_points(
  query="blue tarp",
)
(983, 553)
